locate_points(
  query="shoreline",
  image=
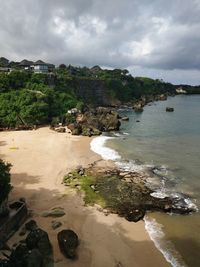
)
(40, 159)
(153, 228)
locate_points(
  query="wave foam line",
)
(156, 234)
(98, 146)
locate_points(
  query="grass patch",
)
(84, 183)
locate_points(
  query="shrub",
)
(5, 186)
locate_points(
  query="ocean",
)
(169, 144)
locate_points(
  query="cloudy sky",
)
(155, 38)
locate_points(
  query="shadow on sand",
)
(101, 243)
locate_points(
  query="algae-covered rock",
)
(58, 212)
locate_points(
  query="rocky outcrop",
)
(68, 243)
(95, 121)
(130, 196)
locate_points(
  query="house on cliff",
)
(38, 67)
(26, 64)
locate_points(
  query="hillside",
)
(38, 98)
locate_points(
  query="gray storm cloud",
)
(150, 36)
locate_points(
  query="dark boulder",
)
(75, 128)
(168, 109)
(4, 263)
(18, 257)
(39, 239)
(23, 257)
(35, 258)
(31, 225)
(131, 213)
(68, 243)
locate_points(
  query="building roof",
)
(40, 62)
(4, 59)
(25, 62)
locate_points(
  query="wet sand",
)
(40, 159)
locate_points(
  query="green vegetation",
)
(191, 89)
(84, 183)
(40, 99)
(5, 185)
(29, 96)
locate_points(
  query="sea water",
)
(169, 144)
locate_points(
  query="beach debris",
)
(55, 224)
(56, 212)
(68, 243)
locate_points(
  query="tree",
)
(62, 66)
(5, 186)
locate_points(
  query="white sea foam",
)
(157, 235)
(125, 133)
(186, 200)
(132, 165)
(98, 146)
(120, 134)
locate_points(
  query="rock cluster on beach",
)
(35, 250)
(95, 121)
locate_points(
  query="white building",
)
(41, 67)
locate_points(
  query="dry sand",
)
(40, 159)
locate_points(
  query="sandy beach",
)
(40, 159)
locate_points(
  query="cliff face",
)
(92, 91)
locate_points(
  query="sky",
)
(153, 38)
